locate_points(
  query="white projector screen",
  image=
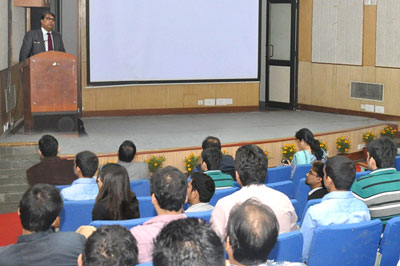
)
(140, 41)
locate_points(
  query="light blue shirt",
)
(81, 189)
(337, 207)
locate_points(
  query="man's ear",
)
(238, 179)
(58, 150)
(56, 222)
(19, 211)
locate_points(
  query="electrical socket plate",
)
(379, 109)
(369, 108)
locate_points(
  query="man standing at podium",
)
(41, 40)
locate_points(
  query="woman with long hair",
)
(115, 200)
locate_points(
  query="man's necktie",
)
(49, 42)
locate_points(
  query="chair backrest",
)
(397, 162)
(220, 193)
(299, 173)
(75, 214)
(305, 209)
(141, 187)
(202, 215)
(289, 247)
(301, 194)
(126, 223)
(286, 187)
(363, 173)
(278, 174)
(345, 244)
(295, 204)
(62, 186)
(390, 243)
(146, 207)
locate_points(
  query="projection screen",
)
(145, 41)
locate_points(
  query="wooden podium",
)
(50, 91)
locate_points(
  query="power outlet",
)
(360, 146)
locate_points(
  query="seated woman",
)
(309, 149)
(115, 200)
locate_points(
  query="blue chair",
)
(301, 194)
(141, 187)
(397, 162)
(146, 208)
(305, 209)
(202, 215)
(286, 187)
(289, 247)
(360, 174)
(75, 214)
(300, 172)
(390, 243)
(345, 244)
(62, 186)
(278, 174)
(126, 223)
(295, 205)
(220, 193)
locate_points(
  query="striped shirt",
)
(380, 191)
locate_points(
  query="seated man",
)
(188, 242)
(85, 187)
(201, 188)
(109, 245)
(251, 234)
(339, 206)
(52, 169)
(210, 161)
(136, 170)
(380, 189)
(251, 165)
(168, 189)
(314, 179)
(39, 209)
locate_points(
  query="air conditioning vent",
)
(367, 91)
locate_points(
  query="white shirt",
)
(45, 38)
(200, 207)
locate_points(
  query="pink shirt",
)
(276, 200)
(146, 233)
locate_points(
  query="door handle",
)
(271, 50)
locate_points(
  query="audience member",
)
(85, 187)
(380, 189)
(188, 242)
(201, 188)
(251, 234)
(136, 170)
(251, 166)
(52, 169)
(314, 179)
(339, 206)
(111, 245)
(210, 161)
(168, 189)
(227, 164)
(115, 200)
(39, 209)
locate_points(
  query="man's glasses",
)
(49, 18)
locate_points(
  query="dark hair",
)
(306, 135)
(47, 13)
(39, 207)
(188, 242)
(318, 167)
(203, 184)
(48, 146)
(88, 162)
(116, 192)
(110, 245)
(211, 142)
(127, 151)
(341, 170)
(383, 150)
(253, 230)
(212, 157)
(169, 186)
(251, 163)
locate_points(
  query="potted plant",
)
(155, 162)
(190, 162)
(388, 131)
(288, 151)
(343, 144)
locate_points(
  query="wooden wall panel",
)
(369, 36)
(305, 29)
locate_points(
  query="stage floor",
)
(105, 134)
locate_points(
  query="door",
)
(281, 63)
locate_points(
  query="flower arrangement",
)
(191, 161)
(323, 145)
(155, 162)
(343, 144)
(368, 137)
(288, 151)
(388, 131)
(225, 152)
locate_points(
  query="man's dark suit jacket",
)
(53, 171)
(34, 44)
(318, 194)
